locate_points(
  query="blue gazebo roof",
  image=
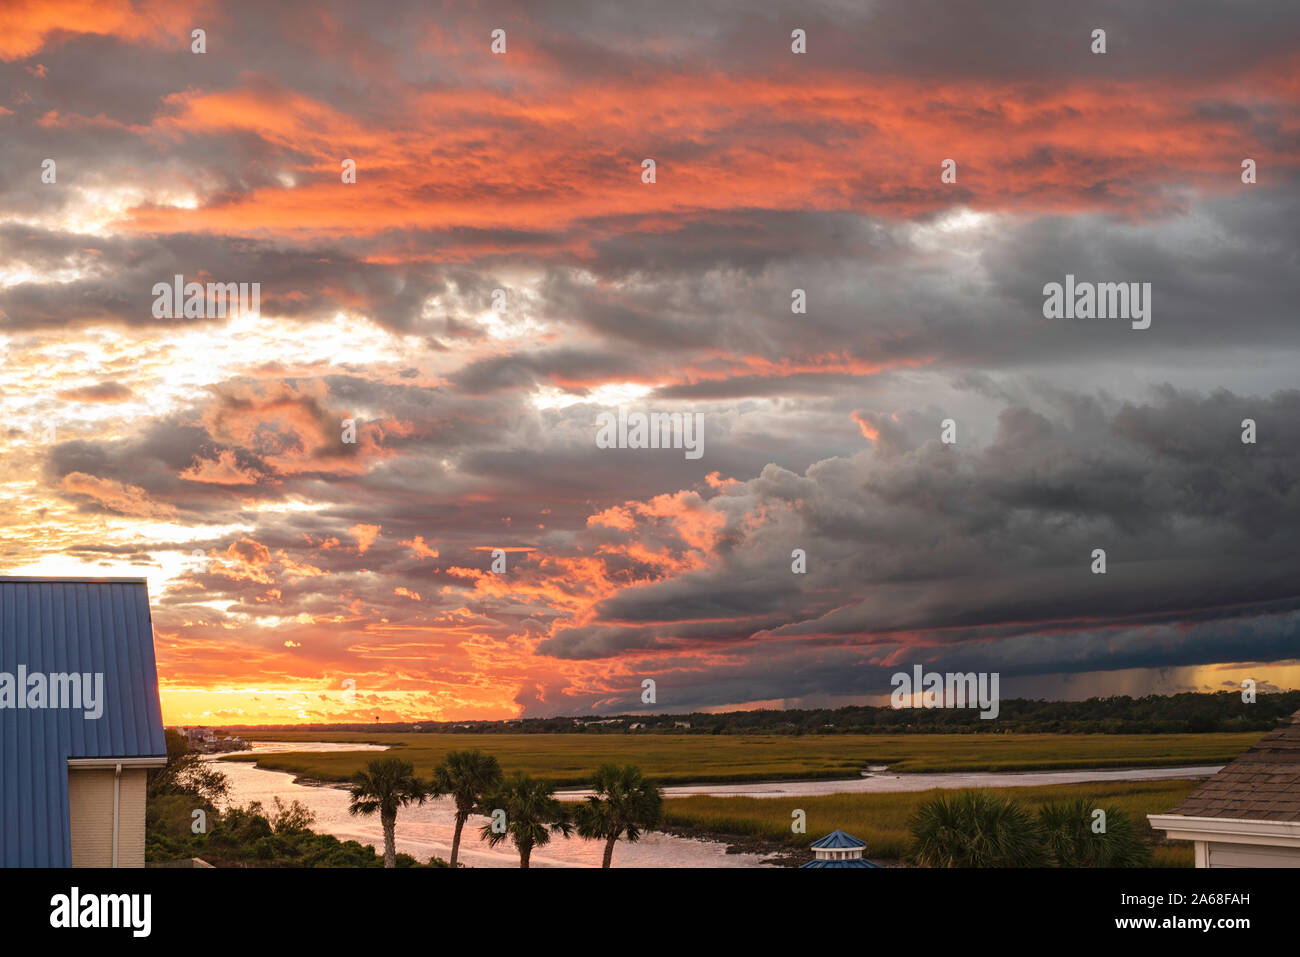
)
(852, 862)
(838, 840)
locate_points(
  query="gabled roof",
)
(54, 626)
(839, 840)
(1263, 784)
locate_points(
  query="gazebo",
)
(838, 849)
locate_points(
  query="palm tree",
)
(386, 785)
(625, 803)
(468, 776)
(532, 815)
(1071, 841)
(975, 829)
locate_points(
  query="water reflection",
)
(426, 831)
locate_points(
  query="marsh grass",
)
(882, 819)
(569, 760)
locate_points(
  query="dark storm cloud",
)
(879, 301)
(1218, 277)
(1020, 39)
(299, 283)
(953, 544)
(828, 675)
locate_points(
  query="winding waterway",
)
(426, 831)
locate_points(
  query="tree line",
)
(1184, 713)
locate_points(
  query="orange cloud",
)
(29, 23)
(365, 536)
(117, 496)
(540, 160)
(223, 470)
(869, 428)
(420, 549)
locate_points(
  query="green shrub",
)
(976, 829)
(1073, 839)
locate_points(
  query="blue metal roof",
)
(856, 862)
(65, 626)
(839, 840)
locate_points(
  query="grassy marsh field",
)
(569, 759)
(881, 819)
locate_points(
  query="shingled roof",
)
(1261, 785)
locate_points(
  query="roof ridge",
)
(73, 579)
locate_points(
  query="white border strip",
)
(1227, 830)
(111, 763)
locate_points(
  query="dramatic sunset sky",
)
(130, 443)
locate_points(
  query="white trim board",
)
(110, 763)
(1227, 830)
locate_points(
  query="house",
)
(207, 741)
(838, 849)
(199, 738)
(682, 724)
(80, 723)
(1247, 815)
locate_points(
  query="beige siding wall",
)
(90, 804)
(1252, 855)
(130, 847)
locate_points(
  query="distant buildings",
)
(1247, 815)
(838, 849)
(197, 738)
(207, 741)
(661, 724)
